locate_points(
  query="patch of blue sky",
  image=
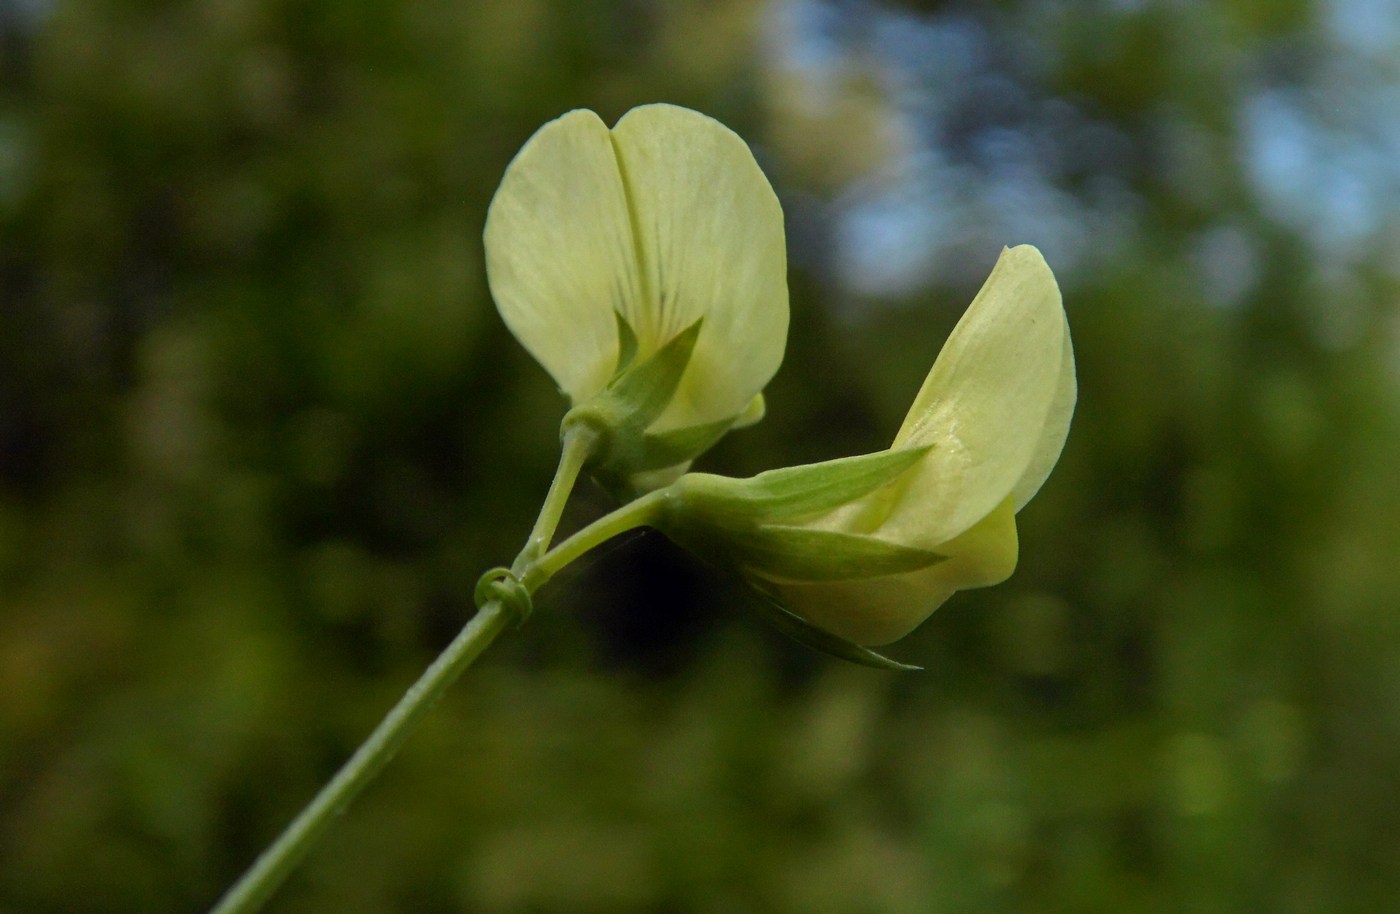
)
(1370, 27)
(1325, 177)
(927, 219)
(944, 223)
(889, 233)
(809, 34)
(930, 51)
(1323, 155)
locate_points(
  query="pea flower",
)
(859, 551)
(645, 268)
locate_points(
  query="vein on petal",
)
(646, 325)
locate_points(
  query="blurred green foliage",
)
(260, 430)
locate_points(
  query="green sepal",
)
(641, 393)
(636, 396)
(795, 491)
(804, 632)
(679, 445)
(807, 555)
(626, 343)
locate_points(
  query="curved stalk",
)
(533, 567)
(273, 866)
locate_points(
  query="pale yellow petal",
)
(710, 243)
(559, 251)
(985, 404)
(753, 413)
(1056, 429)
(875, 611)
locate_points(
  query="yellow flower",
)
(866, 548)
(603, 246)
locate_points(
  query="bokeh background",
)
(261, 429)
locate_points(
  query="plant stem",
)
(533, 567)
(276, 863)
(577, 446)
(638, 513)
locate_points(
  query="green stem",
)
(533, 569)
(577, 447)
(276, 863)
(638, 513)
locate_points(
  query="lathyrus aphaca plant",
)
(644, 267)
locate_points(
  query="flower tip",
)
(1028, 259)
(753, 413)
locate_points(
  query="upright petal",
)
(560, 256)
(985, 406)
(1052, 436)
(709, 240)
